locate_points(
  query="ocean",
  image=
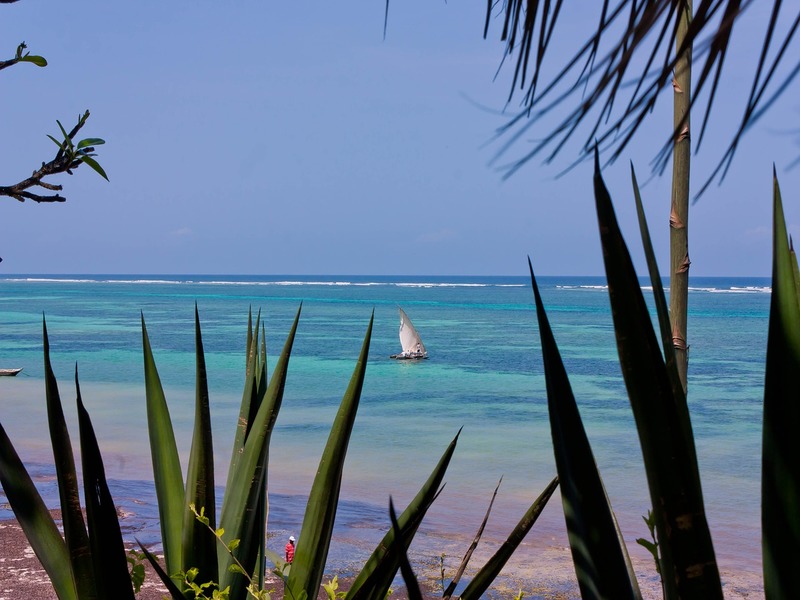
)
(484, 374)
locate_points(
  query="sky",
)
(272, 138)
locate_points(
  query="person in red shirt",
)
(290, 550)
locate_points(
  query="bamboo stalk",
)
(679, 209)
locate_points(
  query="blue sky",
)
(263, 138)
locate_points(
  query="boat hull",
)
(9, 372)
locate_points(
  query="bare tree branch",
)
(65, 161)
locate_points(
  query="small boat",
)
(413, 348)
(9, 372)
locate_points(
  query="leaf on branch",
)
(90, 142)
(55, 141)
(67, 137)
(39, 61)
(95, 165)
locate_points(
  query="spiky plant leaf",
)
(662, 311)
(375, 578)
(35, 520)
(601, 562)
(489, 572)
(174, 590)
(166, 464)
(75, 535)
(307, 569)
(247, 410)
(665, 326)
(111, 576)
(451, 587)
(689, 565)
(199, 546)
(240, 516)
(261, 519)
(780, 485)
(398, 548)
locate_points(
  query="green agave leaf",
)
(75, 535)
(264, 500)
(166, 464)
(256, 544)
(199, 546)
(35, 520)
(249, 335)
(468, 555)
(308, 566)
(489, 572)
(688, 562)
(173, 589)
(246, 409)
(111, 576)
(780, 485)
(662, 309)
(398, 548)
(253, 524)
(95, 165)
(240, 518)
(275, 558)
(665, 327)
(375, 578)
(601, 562)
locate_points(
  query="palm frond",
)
(638, 61)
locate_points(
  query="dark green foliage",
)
(108, 555)
(485, 576)
(688, 562)
(173, 589)
(75, 534)
(35, 519)
(374, 580)
(199, 548)
(601, 561)
(82, 152)
(167, 475)
(399, 549)
(451, 587)
(84, 564)
(780, 485)
(308, 567)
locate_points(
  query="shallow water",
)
(484, 374)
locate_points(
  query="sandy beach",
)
(549, 577)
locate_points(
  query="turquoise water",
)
(485, 374)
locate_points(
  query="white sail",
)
(409, 338)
